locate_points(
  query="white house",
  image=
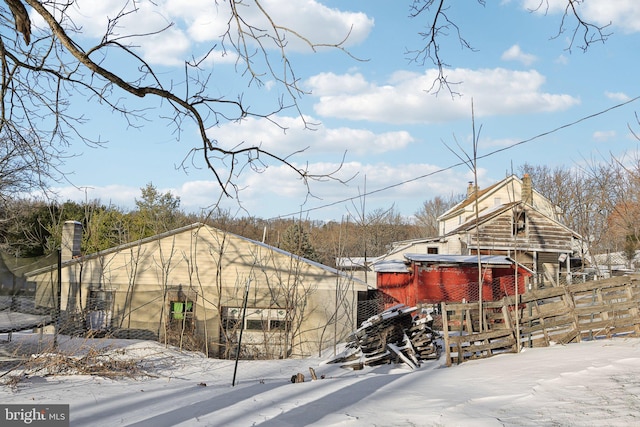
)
(508, 218)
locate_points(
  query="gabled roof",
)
(499, 210)
(478, 195)
(118, 248)
(486, 193)
(188, 228)
(484, 217)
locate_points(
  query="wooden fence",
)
(541, 317)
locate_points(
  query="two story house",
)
(509, 219)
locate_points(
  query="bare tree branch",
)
(39, 80)
(582, 29)
(439, 25)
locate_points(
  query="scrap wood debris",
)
(398, 334)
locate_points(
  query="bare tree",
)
(48, 60)
(624, 202)
(23, 166)
(584, 198)
(427, 215)
(383, 227)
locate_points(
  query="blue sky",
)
(377, 121)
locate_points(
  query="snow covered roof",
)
(460, 259)
(400, 266)
(391, 266)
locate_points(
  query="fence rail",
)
(538, 318)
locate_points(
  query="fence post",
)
(445, 332)
(58, 304)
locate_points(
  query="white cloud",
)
(333, 84)
(603, 136)
(167, 48)
(326, 198)
(617, 96)
(624, 14)
(318, 23)
(404, 99)
(204, 21)
(309, 18)
(200, 194)
(514, 53)
(322, 140)
(547, 6)
(281, 184)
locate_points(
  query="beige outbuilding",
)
(201, 288)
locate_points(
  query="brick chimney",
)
(527, 190)
(71, 240)
(471, 189)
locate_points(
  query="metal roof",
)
(460, 259)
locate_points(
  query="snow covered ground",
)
(586, 384)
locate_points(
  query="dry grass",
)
(95, 362)
(21, 360)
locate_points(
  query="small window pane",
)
(278, 325)
(254, 324)
(180, 308)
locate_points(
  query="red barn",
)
(433, 278)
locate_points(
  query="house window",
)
(256, 319)
(255, 325)
(279, 325)
(99, 300)
(181, 311)
(519, 224)
(99, 309)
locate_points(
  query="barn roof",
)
(399, 266)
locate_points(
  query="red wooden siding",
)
(437, 283)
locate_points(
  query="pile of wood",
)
(399, 334)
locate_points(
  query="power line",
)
(455, 165)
